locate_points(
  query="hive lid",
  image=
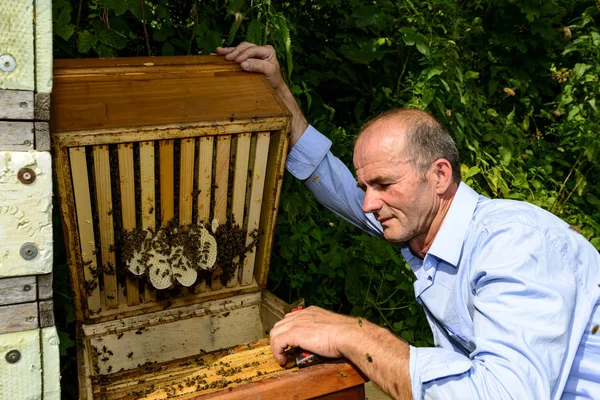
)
(93, 94)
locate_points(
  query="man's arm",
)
(374, 350)
(262, 59)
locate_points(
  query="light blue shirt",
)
(510, 291)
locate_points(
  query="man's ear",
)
(442, 171)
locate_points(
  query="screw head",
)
(13, 356)
(26, 288)
(7, 63)
(29, 251)
(26, 176)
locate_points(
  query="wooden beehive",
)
(145, 144)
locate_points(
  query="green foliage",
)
(515, 82)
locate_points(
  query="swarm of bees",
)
(172, 254)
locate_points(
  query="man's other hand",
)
(253, 58)
(313, 329)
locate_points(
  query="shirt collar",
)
(447, 244)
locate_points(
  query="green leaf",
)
(255, 32)
(86, 41)
(118, 6)
(63, 26)
(110, 37)
(167, 49)
(209, 42)
(65, 342)
(505, 156)
(471, 75)
(135, 7)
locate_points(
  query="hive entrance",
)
(143, 211)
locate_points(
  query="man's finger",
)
(232, 55)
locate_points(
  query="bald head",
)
(424, 138)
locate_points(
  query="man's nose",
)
(371, 203)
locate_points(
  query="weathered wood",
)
(46, 313)
(42, 136)
(16, 135)
(256, 198)
(16, 104)
(16, 25)
(221, 194)
(44, 286)
(272, 309)
(104, 211)
(127, 183)
(274, 176)
(205, 171)
(173, 131)
(90, 289)
(43, 46)
(50, 364)
(147, 177)
(240, 179)
(165, 335)
(42, 106)
(21, 380)
(19, 317)
(25, 213)
(186, 180)
(17, 290)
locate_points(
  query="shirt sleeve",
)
(523, 301)
(329, 180)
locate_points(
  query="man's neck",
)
(421, 244)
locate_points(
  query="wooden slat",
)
(46, 313)
(44, 286)
(83, 207)
(16, 104)
(167, 181)
(126, 175)
(240, 180)
(268, 217)
(90, 137)
(42, 106)
(18, 290)
(104, 209)
(186, 181)
(221, 193)
(256, 197)
(19, 317)
(147, 178)
(42, 136)
(16, 135)
(205, 165)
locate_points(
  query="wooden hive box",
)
(147, 151)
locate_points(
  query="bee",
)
(369, 358)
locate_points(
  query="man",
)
(511, 293)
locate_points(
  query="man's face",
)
(395, 193)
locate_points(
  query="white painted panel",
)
(23, 379)
(43, 46)
(16, 40)
(50, 364)
(25, 213)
